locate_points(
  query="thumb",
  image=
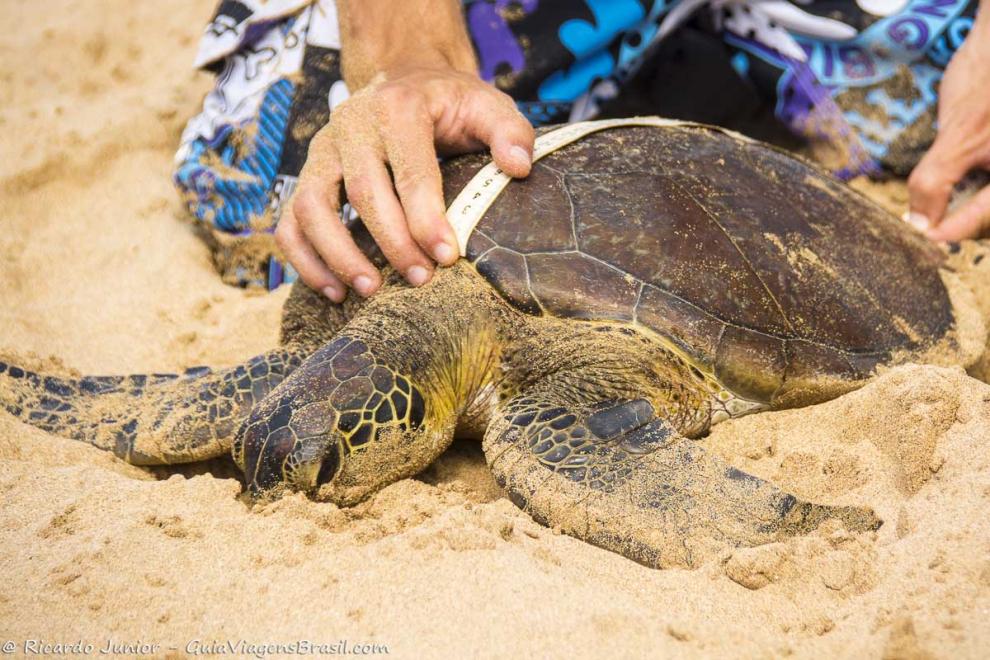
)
(931, 182)
(499, 124)
(969, 221)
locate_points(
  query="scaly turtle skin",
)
(640, 285)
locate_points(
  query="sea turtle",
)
(641, 284)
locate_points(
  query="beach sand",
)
(103, 271)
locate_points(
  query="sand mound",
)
(102, 270)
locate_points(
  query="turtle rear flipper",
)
(147, 419)
(615, 475)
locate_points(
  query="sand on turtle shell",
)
(101, 269)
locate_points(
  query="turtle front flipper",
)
(156, 419)
(617, 476)
(163, 419)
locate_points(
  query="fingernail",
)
(444, 253)
(917, 220)
(417, 275)
(333, 293)
(363, 285)
(935, 237)
(520, 155)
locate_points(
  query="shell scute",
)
(576, 285)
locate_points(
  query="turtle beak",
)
(304, 471)
(306, 466)
(272, 455)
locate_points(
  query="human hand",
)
(962, 144)
(399, 122)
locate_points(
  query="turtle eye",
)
(330, 465)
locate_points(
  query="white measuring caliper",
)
(467, 209)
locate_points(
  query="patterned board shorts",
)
(859, 77)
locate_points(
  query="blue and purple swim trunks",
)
(860, 77)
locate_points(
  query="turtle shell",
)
(760, 266)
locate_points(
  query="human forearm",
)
(382, 36)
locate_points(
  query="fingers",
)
(370, 192)
(330, 239)
(969, 221)
(499, 124)
(930, 184)
(416, 174)
(310, 266)
(310, 232)
(394, 125)
(320, 246)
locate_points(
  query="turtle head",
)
(342, 426)
(274, 458)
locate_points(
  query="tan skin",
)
(417, 94)
(962, 144)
